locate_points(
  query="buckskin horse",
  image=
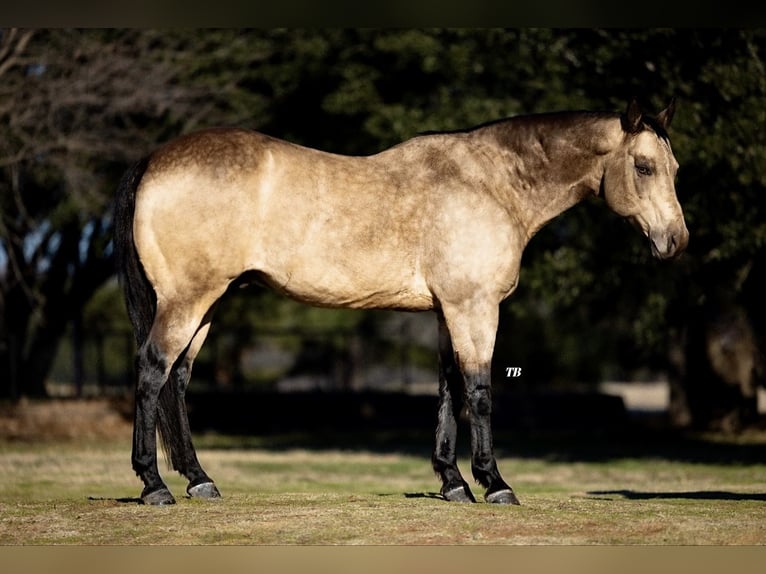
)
(438, 222)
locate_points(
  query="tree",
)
(77, 106)
(680, 318)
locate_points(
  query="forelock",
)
(655, 126)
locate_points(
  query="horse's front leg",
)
(473, 327)
(483, 463)
(444, 459)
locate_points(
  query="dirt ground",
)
(65, 419)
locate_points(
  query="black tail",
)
(140, 298)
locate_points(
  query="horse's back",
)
(327, 229)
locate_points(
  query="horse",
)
(435, 223)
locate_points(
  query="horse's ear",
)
(631, 120)
(666, 116)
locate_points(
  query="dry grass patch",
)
(75, 492)
(67, 494)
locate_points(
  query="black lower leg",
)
(483, 463)
(150, 366)
(176, 433)
(444, 459)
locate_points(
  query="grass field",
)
(380, 490)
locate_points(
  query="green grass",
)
(303, 490)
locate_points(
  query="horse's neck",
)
(550, 168)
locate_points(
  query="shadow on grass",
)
(689, 495)
(431, 495)
(127, 500)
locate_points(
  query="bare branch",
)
(12, 46)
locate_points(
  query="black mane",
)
(568, 115)
(545, 117)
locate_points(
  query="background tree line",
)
(78, 106)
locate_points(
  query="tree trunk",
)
(17, 309)
(32, 340)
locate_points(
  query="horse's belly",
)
(328, 287)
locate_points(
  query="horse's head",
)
(639, 181)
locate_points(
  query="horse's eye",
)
(643, 169)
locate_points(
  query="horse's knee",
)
(479, 399)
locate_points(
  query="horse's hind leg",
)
(174, 423)
(172, 332)
(472, 326)
(152, 373)
(444, 459)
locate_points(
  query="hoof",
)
(206, 490)
(159, 497)
(458, 494)
(505, 496)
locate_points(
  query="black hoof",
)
(159, 497)
(206, 490)
(505, 496)
(458, 494)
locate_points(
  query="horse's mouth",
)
(670, 243)
(666, 243)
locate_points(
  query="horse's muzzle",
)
(670, 242)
